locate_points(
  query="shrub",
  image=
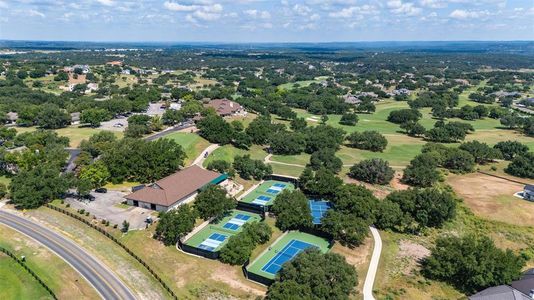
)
(368, 140)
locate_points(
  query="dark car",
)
(101, 190)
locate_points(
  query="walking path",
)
(204, 154)
(373, 266)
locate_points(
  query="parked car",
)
(101, 190)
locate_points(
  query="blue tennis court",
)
(279, 185)
(236, 222)
(262, 200)
(318, 209)
(273, 191)
(291, 250)
(212, 242)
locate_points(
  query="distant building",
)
(75, 118)
(92, 87)
(351, 99)
(174, 190)
(12, 117)
(401, 91)
(225, 107)
(114, 63)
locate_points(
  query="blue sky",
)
(267, 21)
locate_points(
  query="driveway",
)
(108, 206)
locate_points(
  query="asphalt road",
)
(101, 278)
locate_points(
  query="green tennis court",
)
(265, 193)
(283, 250)
(215, 235)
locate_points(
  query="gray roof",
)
(524, 285)
(501, 292)
(530, 188)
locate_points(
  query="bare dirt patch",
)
(411, 254)
(227, 274)
(492, 198)
(359, 257)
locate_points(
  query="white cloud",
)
(433, 3)
(257, 14)
(301, 9)
(461, 14)
(350, 12)
(315, 17)
(3, 4)
(105, 2)
(400, 8)
(179, 7)
(35, 13)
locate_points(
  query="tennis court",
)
(268, 263)
(318, 209)
(214, 236)
(265, 193)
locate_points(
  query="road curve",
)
(373, 266)
(101, 278)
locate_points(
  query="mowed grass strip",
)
(264, 258)
(64, 281)
(17, 283)
(75, 133)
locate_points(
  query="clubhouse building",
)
(174, 190)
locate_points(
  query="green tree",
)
(511, 149)
(375, 170)
(313, 275)
(322, 183)
(481, 151)
(326, 158)
(237, 250)
(522, 166)
(404, 115)
(349, 119)
(288, 143)
(94, 116)
(368, 140)
(247, 167)
(355, 200)
(215, 129)
(349, 230)
(35, 187)
(213, 202)
(51, 117)
(292, 210)
(83, 187)
(471, 263)
(97, 174)
(175, 224)
(323, 136)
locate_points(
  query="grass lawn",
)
(5, 180)
(228, 152)
(302, 83)
(192, 143)
(287, 170)
(245, 120)
(74, 133)
(16, 283)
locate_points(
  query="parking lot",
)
(108, 206)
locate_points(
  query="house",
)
(114, 63)
(12, 117)
(225, 107)
(91, 87)
(351, 99)
(174, 190)
(528, 192)
(501, 292)
(521, 289)
(401, 91)
(75, 118)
